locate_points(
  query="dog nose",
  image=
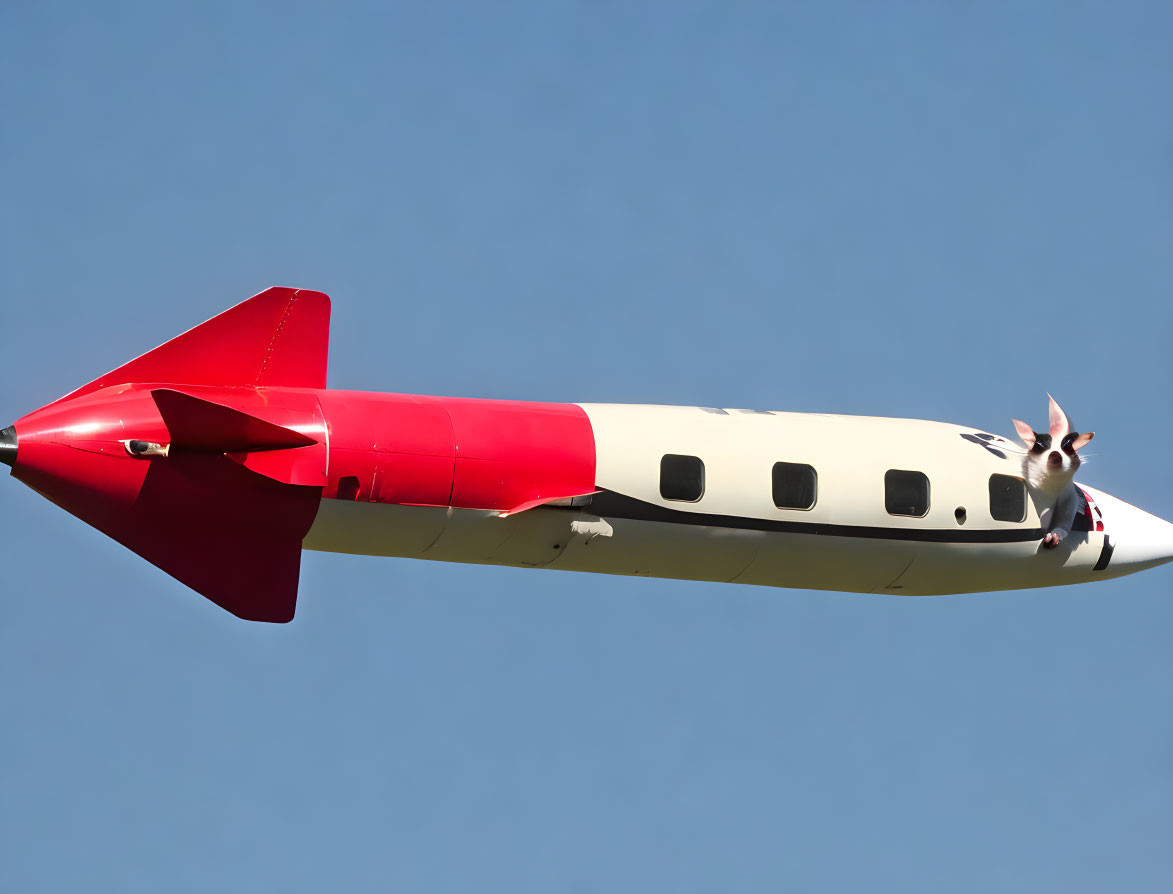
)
(1056, 458)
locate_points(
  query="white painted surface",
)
(739, 448)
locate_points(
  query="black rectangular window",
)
(682, 477)
(795, 485)
(1007, 498)
(906, 493)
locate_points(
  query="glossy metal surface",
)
(278, 337)
(500, 455)
(234, 479)
(8, 446)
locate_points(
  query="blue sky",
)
(929, 210)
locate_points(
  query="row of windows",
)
(796, 485)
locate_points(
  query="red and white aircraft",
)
(221, 454)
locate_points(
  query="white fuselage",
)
(734, 532)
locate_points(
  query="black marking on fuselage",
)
(983, 440)
(1105, 555)
(608, 504)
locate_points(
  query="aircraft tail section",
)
(217, 488)
(279, 337)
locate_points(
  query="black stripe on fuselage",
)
(608, 504)
(1105, 554)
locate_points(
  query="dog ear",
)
(1025, 432)
(1059, 424)
(1082, 441)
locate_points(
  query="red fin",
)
(277, 338)
(207, 427)
(228, 533)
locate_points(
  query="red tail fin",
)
(279, 337)
(229, 531)
(206, 427)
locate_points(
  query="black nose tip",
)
(1056, 458)
(8, 446)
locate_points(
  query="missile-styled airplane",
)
(221, 454)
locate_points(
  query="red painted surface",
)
(295, 411)
(400, 448)
(254, 442)
(226, 531)
(277, 338)
(225, 511)
(207, 427)
(511, 455)
(469, 454)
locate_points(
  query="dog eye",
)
(1042, 443)
(1068, 443)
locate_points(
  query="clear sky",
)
(929, 210)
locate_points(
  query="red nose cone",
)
(74, 453)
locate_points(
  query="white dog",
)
(1049, 466)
